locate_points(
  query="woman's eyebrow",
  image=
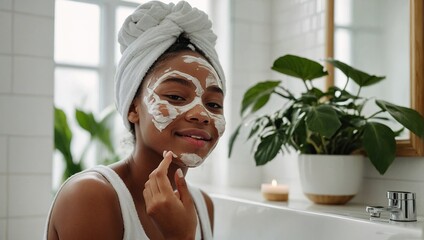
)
(179, 81)
(216, 89)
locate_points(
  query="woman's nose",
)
(199, 114)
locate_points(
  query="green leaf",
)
(299, 67)
(258, 95)
(408, 117)
(356, 121)
(260, 102)
(71, 169)
(97, 129)
(268, 148)
(87, 121)
(361, 78)
(323, 120)
(233, 139)
(308, 98)
(62, 134)
(380, 144)
(300, 136)
(296, 119)
(103, 130)
(317, 92)
(62, 142)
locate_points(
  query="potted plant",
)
(317, 122)
(99, 131)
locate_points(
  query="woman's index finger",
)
(164, 165)
(162, 181)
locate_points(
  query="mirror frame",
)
(413, 146)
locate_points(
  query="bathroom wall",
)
(298, 28)
(261, 31)
(276, 28)
(26, 117)
(264, 30)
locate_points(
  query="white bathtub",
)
(238, 218)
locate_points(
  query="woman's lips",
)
(196, 142)
(196, 137)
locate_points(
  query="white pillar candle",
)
(274, 191)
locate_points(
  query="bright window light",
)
(77, 33)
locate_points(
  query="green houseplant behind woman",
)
(323, 122)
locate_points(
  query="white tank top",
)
(133, 229)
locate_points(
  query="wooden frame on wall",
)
(413, 146)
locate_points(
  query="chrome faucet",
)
(401, 207)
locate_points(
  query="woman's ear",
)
(133, 116)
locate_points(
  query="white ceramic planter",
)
(331, 179)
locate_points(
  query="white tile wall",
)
(402, 169)
(24, 115)
(29, 195)
(26, 122)
(30, 154)
(3, 229)
(241, 9)
(5, 73)
(33, 76)
(3, 154)
(33, 35)
(6, 4)
(6, 30)
(26, 228)
(261, 33)
(250, 64)
(40, 7)
(374, 191)
(3, 196)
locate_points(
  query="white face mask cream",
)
(164, 113)
(191, 159)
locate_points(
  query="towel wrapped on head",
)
(147, 33)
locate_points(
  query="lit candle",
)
(274, 191)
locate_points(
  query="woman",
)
(170, 92)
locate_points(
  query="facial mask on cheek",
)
(219, 121)
(162, 112)
(191, 159)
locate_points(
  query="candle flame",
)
(274, 182)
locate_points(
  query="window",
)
(86, 56)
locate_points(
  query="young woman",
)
(170, 92)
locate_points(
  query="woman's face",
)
(182, 108)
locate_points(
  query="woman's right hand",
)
(173, 213)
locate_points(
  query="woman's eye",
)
(175, 97)
(214, 105)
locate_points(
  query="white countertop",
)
(350, 210)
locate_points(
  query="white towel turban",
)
(147, 33)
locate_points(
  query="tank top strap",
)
(132, 226)
(202, 212)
